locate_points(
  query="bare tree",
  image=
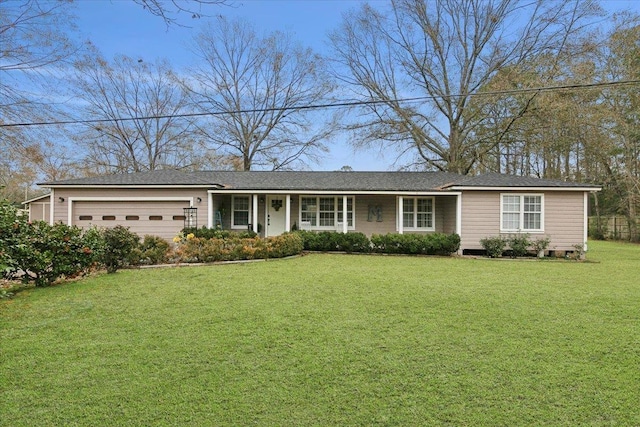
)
(139, 106)
(33, 44)
(167, 9)
(257, 90)
(33, 38)
(442, 52)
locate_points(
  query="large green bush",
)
(43, 253)
(12, 228)
(119, 245)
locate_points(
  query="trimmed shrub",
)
(494, 246)
(416, 244)
(152, 250)
(519, 245)
(285, 245)
(235, 248)
(216, 233)
(327, 241)
(119, 244)
(540, 245)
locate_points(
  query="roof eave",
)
(524, 188)
(45, 185)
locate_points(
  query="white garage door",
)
(161, 218)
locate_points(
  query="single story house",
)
(270, 203)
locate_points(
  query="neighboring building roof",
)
(314, 181)
(35, 199)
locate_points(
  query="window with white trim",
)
(324, 212)
(522, 212)
(240, 211)
(417, 213)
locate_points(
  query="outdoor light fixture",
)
(190, 217)
(199, 199)
(61, 199)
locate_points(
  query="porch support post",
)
(254, 210)
(345, 224)
(400, 215)
(209, 210)
(287, 213)
(51, 205)
(69, 202)
(459, 218)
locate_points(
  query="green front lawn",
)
(331, 340)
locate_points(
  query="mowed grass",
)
(331, 340)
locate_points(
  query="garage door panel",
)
(162, 218)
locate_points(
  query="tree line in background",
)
(452, 85)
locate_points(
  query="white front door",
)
(276, 211)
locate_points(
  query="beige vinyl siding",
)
(446, 210)
(388, 205)
(563, 218)
(137, 216)
(39, 211)
(122, 202)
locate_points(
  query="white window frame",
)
(337, 225)
(414, 226)
(233, 212)
(521, 212)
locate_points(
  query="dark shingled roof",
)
(310, 181)
(502, 180)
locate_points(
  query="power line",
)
(331, 105)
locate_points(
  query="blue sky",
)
(123, 27)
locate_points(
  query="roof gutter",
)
(520, 188)
(334, 192)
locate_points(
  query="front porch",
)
(273, 213)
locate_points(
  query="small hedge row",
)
(416, 244)
(328, 241)
(519, 245)
(216, 233)
(392, 243)
(233, 248)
